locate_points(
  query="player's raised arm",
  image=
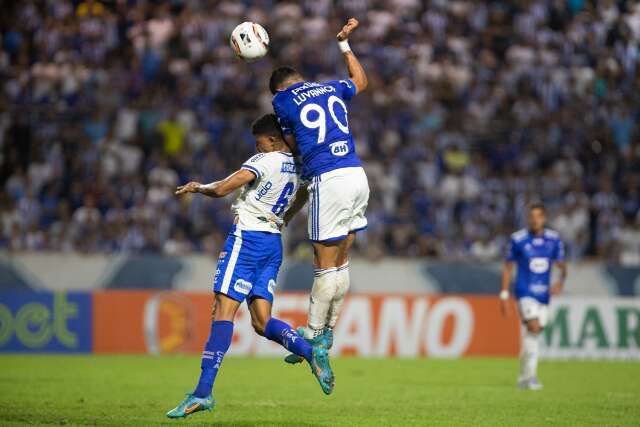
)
(219, 188)
(356, 72)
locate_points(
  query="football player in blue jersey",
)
(534, 251)
(314, 119)
(249, 262)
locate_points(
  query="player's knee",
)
(223, 309)
(326, 254)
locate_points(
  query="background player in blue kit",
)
(250, 260)
(534, 251)
(314, 120)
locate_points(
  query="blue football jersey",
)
(534, 256)
(317, 115)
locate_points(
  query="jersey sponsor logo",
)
(242, 286)
(262, 191)
(271, 286)
(537, 241)
(288, 167)
(539, 265)
(538, 288)
(339, 148)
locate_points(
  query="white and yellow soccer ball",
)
(250, 41)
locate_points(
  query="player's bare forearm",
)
(209, 189)
(562, 266)
(507, 272)
(559, 285)
(218, 188)
(356, 72)
(302, 195)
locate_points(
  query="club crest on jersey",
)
(242, 286)
(538, 288)
(339, 148)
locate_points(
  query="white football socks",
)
(322, 294)
(342, 287)
(529, 356)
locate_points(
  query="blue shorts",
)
(248, 265)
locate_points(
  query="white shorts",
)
(337, 203)
(531, 308)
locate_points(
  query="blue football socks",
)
(282, 333)
(214, 351)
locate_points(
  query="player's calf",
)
(322, 294)
(342, 287)
(280, 332)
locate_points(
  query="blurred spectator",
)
(474, 109)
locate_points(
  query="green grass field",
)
(138, 390)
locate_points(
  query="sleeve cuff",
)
(251, 169)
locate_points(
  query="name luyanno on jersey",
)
(310, 90)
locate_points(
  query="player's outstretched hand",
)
(346, 31)
(191, 187)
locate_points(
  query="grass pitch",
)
(138, 390)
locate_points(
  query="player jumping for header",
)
(534, 251)
(249, 262)
(314, 120)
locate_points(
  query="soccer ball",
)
(249, 41)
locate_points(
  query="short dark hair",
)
(266, 125)
(279, 76)
(537, 205)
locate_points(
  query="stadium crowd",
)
(474, 110)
